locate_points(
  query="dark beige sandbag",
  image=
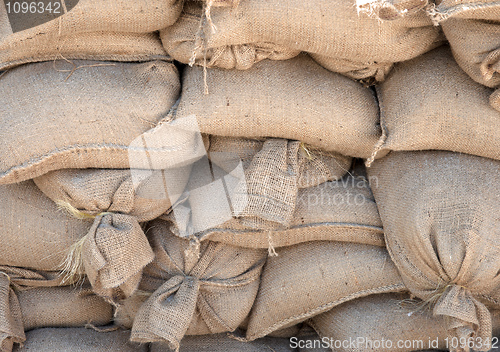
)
(114, 249)
(292, 99)
(192, 289)
(310, 278)
(79, 340)
(53, 117)
(440, 216)
(386, 322)
(224, 343)
(441, 109)
(341, 210)
(35, 234)
(84, 29)
(241, 35)
(33, 299)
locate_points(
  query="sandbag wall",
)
(250, 175)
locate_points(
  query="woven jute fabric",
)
(310, 278)
(443, 10)
(386, 317)
(441, 109)
(253, 30)
(341, 210)
(293, 99)
(78, 340)
(195, 289)
(439, 211)
(34, 233)
(224, 343)
(115, 248)
(95, 30)
(32, 299)
(79, 116)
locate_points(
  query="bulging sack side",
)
(294, 99)
(439, 211)
(57, 115)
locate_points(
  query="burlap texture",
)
(78, 340)
(277, 30)
(389, 10)
(390, 317)
(115, 249)
(293, 99)
(223, 343)
(442, 230)
(441, 109)
(111, 30)
(471, 9)
(343, 210)
(32, 299)
(310, 278)
(56, 118)
(34, 233)
(196, 289)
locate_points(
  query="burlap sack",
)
(307, 279)
(34, 233)
(223, 343)
(79, 340)
(86, 29)
(439, 211)
(441, 11)
(343, 211)
(194, 289)
(441, 109)
(53, 117)
(242, 35)
(292, 99)
(32, 299)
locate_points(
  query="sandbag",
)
(78, 340)
(192, 289)
(56, 118)
(115, 249)
(341, 210)
(293, 99)
(310, 278)
(35, 234)
(84, 29)
(385, 322)
(441, 109)
(439, 211)
(223, 343)
(33, 299)
(240, 36)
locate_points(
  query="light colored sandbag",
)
(85, 29)
(34, 233)
(223, 343)
(293, 99)
(192, 289)
(441, 109)
(441, 11)
(115, 249)
(439, 211)
(34, 299)
(78, 340)
(310, 278)
(239, 36)
(53, 119)
(343, 210)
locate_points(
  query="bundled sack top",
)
(440, 216)
(402, 323)
(34, 299)
(87, 115)
(293, 99)
(430, 103)
(83, 29)
(192, 289)
(339, 37)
